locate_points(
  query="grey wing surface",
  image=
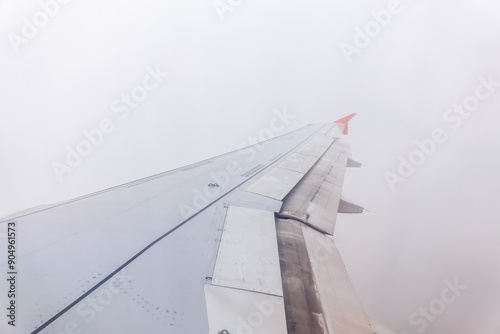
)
(240, 243)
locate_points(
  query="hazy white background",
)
(226, 77)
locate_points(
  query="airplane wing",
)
(237, 244)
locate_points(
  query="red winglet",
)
(345, 121)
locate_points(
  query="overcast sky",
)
(169, 83)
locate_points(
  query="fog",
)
(169, 83)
